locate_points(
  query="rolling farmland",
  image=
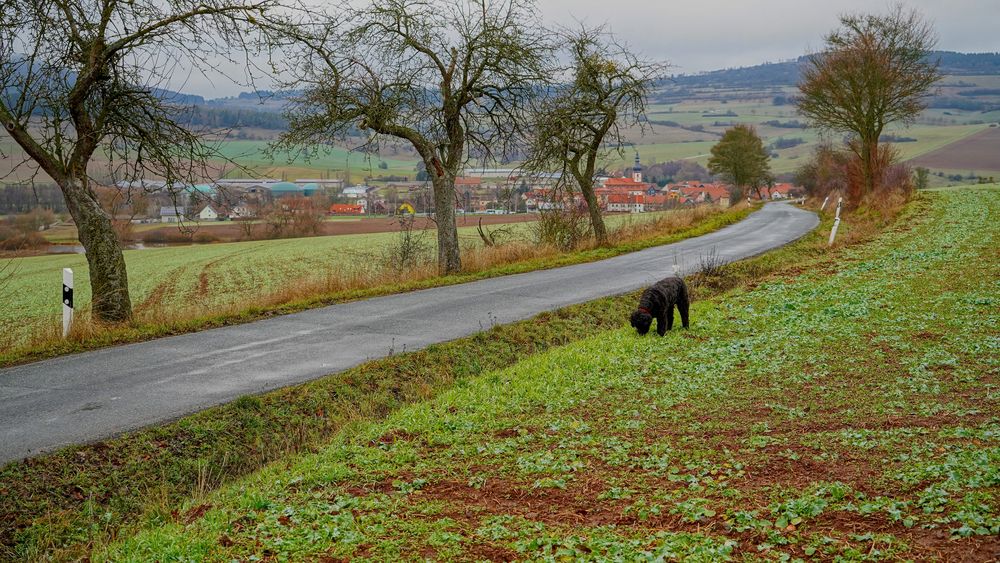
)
(978, 152)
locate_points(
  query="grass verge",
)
(846, 409)
(480, 263)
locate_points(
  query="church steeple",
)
(637, 169)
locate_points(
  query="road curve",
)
(95, 395)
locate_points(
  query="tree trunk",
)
(449, 260)
(108, 276)
(869, 152)
(596, 219)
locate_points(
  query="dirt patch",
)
(506, 433)
(925, 544)
(572, 506)
(976, 152)
(777, 468)
(196, 513)
(393, 436)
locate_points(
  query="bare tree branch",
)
(449, 77)
(83, 82)
(874, 71)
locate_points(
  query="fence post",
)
(836, 222)
(67, 299)
(826, 199)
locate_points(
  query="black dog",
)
(658, 302)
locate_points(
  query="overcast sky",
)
(701, 35)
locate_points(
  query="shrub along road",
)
(97, 394)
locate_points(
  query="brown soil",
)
(572, 506)
(854, 470)
(925, 545)
(976, 152)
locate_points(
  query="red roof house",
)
(347, 209)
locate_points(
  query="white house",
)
(208, 213)
(243, 210)
(355, 192)
(172, 214)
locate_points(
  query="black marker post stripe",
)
(67, 299)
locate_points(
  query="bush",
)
(410, 249)
(167, 235)
(203, 237)
(13, 239)
(563, 229)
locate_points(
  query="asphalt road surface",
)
(95, 395)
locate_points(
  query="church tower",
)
(637, 169)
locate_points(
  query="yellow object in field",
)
(406, 208)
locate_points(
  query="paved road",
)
(95, 395)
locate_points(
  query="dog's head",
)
(641, 321)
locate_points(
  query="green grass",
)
(844, 410)
(333, 161)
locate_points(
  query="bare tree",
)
(447, 76)
(81, 93)
(875, 70)
(585, 118)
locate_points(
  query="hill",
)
(786, 73)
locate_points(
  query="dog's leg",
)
(670, 316)
(682, 306)
(661, 325)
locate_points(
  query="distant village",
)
(486, 191)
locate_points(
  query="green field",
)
(212, 276)
(847, 410)
(331, 162)
(665, 143)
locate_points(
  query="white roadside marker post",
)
(67, 299)
(826, 199)
(836, 222)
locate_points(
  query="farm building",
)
(200, 189)
(701, 192)
(347, 209)
(355, 192)
(243, 210)
(782, 191)
(172, 214)
(209, 213)
(638, 203)
(286, 189)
